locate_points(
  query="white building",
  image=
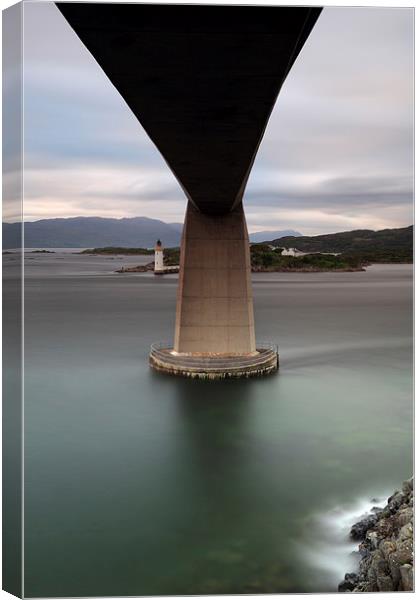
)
(159, 268)
(292, 252)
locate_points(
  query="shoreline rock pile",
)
(138, 269)
(386, 547)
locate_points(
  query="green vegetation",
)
(356, 249)
(263, 258)
(171, 256)
(118, 250)
(365, 246)
(396, 255)
(394, 245)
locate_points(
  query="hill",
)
(83, 232)
(89, 232)
(387, 245)
(261, 236)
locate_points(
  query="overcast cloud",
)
(337, 153)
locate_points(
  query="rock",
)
(386, 546)
(358, 531)
(385, 583)
(344, 586)
(406, 572)
(396, 501)
(406, 532)
(405, 516)
(390, 499)
(407, 486)
(403, 553)
(372, 538)
(349, 582)
(385, 527)
(376, 509)
(386, 512)
(378, 566)
(395, 573)
(370, 587)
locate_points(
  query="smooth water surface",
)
(138, 483)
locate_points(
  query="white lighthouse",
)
(159, 268)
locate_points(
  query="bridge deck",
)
(202, 80)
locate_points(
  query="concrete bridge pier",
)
(215, 313)
(214, 328)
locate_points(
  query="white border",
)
(374, 3)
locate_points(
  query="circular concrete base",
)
(263, 362)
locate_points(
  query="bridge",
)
(202, 81)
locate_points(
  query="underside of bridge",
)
(202, 81)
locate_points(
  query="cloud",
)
(337, 153)
(95, 190)
(340, 138)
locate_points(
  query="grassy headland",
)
(363, 245)
(171, 256)
(264, 258)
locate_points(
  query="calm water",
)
(138, 483)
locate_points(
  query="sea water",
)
(139, 483)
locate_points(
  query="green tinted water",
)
(139, 483)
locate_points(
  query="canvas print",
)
(207, 299)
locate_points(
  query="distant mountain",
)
(262, 236)
(387, 245)
(89, 232)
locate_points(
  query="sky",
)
(337, 153)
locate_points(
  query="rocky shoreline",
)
(278, 269)
(138, 269)
(386, 546)
(150, 267)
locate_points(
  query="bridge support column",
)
(215, 313)
(214, 328)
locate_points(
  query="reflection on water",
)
(139, 483)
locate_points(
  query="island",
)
(267, 259)
(338, 252)
(117, 250)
